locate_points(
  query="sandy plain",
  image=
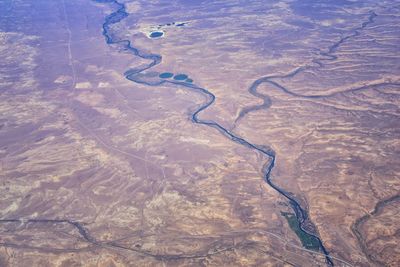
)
(99, 171)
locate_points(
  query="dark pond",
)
(156, 34)
(180, 77)
(166, 75)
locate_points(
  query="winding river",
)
(302, 218)
(132, 74)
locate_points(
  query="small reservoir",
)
(156, 34)
(166, 75)
(180, 77)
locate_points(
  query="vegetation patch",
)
(308, 241)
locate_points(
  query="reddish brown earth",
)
(96, 170)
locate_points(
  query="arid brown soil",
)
(97, 170)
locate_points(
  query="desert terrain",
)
(199, 133)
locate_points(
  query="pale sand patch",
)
(62, 79)
(90, 98)
(92, 68)
(83, 85)
(328, 23)
(132, 7)
(194, 140)
(110, 112)
(103, 84)
(11, 208)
